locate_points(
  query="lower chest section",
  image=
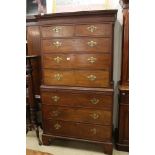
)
(81, 114)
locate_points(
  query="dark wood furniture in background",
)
(123, 118)
(33, 48)
(31, 105)
(77, 75)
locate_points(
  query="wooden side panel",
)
(125, 52)
(33, 48)
(36, 65)
(124, 124)
(33, 40)
(123, 120)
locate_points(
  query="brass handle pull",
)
(55, 113)
(94, 115)
(92, 28)
(57, 44)
(57, 59)
(92, 43)
(93, 130)
(68, 58)
(56, 29)
(94, 101)
(58, 76)
(55, 98)
(57, 126)
(92, 59)
(91, 77)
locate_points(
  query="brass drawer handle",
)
(68, 58)
(92, 59)
(55, 113)
(58, 59)
(94, 101)
(92, 28)
(57, 44)
(94, 115)
(91, 77)
(93, 130)
(57, 126)
(92, 43)
(58, 76)
(56, 29)
(55, 98)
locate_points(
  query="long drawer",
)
(76, 61)
(86, 115)
(103, 45)
(78, 130)
(74, 99)
(76, 78)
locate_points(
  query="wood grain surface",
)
(78, 130)
(76, 61)
(101, 45)
(33, 152)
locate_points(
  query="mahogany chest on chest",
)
(77, 76)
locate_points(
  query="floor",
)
(67, 147)
(34, 152)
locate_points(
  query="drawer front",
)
(99, 100)
(57, 31)
(103, 117)
(76, 78)
(103, 45)
(94, 30)
(76, 61)
(78, 130)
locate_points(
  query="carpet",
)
(33, 152)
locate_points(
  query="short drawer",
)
(103, 45)
(76, 61)
(94, 30)
(86, 115)
(76, 78)
(57, 31)
(75, 99)
(78, 130)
